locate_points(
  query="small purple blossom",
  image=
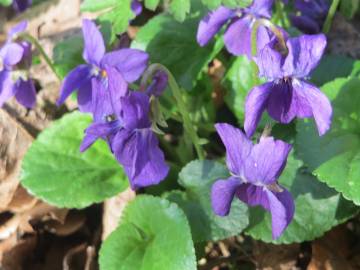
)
(287, 94)
(158, 84)
(312, 15)
(237, 36)
(21, 5)
(255, 170)
(91, 79)
(136, 7)
(15, 62)
(129, 135)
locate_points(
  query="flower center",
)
(103, 74)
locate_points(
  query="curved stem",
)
(47, 59)
(330, 16)
(188, 125)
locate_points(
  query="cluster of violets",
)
(122, 116)
(285, 64)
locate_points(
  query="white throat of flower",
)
(1, 64)
(20, 74)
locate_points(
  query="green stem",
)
(188, 125)
(47, 59)
(330, 16)
(280, 12)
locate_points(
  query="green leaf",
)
(96, 5)
(151, 4)
(239, 80)
(180, 8)
(67, 54)
(55, 171)
(197, 178)
(179, 51)
(334, 157)
(119, 17)
(153, 234)
(6, 2)
(212, 4)
(333, 66)
(349, 8)
(317, 208)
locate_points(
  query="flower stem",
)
(330, 16)
(47, 59)
(188, 125)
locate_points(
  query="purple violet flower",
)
(158, 84)
(130, 63)
(15, 62)
(129, 135)
(255, 170)
(21, 5)
(287, 95)
(136, 7)
(313, 15)
(237, 36)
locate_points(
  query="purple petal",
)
(269, 61)
(304, 55)
(279, 204)
(282, 210)
(78, 77)
(101, 100)
(319, 105)
(306, 24)
(212, 24)
(118, 88)
(19, 28)
(94, 47)
(21, 5)
(282, 106)
(266, 161)
(158, 84)
(136, 7)
(261, 8)
(136, 109)
(141, 157)
(26, 93)
(131, 63)
(256, 102)
(237, 145)
(11, 54)
(237, 37)
(222, 194)
(96, 131)
(7, 87)
(84, 97)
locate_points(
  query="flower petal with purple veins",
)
(261, 8)
(305, 53)
(135, 108)
(237, 37)
(237, 145)
(131, 63)
(26, 93)
(305, 24)
(94, 47)
(266, 161)
(212, 23)
(255, 104)
(222, 194)
(317, 102)
(78, 77)
(270, 62)
(117, 88)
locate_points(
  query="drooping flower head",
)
(130, 63)
(255, 170)
(129, 135)
(21, 5)
(237, 36)
(312, 15)
(15, 62)
(287, 94)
